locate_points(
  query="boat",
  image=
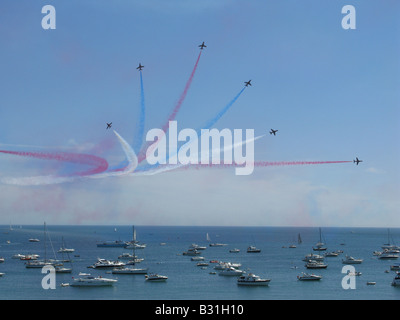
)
(309, 277)
(129, 271)
(312, 264)
(191, 252)
(315, 257)
(103, 263)
(135, 244)
(2, 260)
(388, 255)
(155, 277)
(320, 246)
(331, 254)
(253, 249)
(388, 245)
(90, 281)
(112, 244)
(214, 244)
(225, 265)
(34, 240)
(235, 250)
(395, 267)
(351, 260)
(396, 281)
(230, 271)
(202, 264)
(197, 247)
(63, 249)
(252, 280)
(371, 283)
(197, 258)
(2, 274)
(61, 269)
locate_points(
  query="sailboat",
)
(320, 246)
(131, 270)
(388, 245)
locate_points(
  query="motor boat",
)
(312, 264)
(155, 277)
(388, 255)
(197, 247)
(230, 271)
(396, 281)
(129, 271)
(314, 257)
(103, 263)
(309, 277)
(351, 260)
(235, 250)
(252, 280)
(253, 249)
(224, 265)
(90, 281)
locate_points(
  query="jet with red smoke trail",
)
(357, 161)
(202, 46)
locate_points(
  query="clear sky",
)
(332, 93)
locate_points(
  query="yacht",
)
(235, 250)
(197, 258)
(34, 240)
(396, 281)
(252, 280)
(230, 271)
(331, 254)
(309, 277)
(155, 278)
(197, 247)
(225, 265)
(129, 271)
(214, 244)
(103, 263)
(61, 269)
(314, 257)
(191, 252)
(388, 255)
(351, 260)
(253, 249)
(90, 281)
(395, 267)
(315, 265)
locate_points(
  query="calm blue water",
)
(186, 280)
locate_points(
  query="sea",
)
(187, 281)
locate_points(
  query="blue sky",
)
(332, 93)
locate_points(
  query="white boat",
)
(134, 244)
(191, 252)
(371, 283)
(155, 277)
(309, 277)
(197, 247)
(331, 254)
(389, 246)
(202, 264)
(225, 265)
(230, 271)
(252, 280)
(312, 264)
(253, 249)
(315, 257)
(235, 250)
(90, 281)
(214, 244)
(388, 255)
(396, 281)
(351, 260)
(2, 274)
(197, 258)
(103, 263)
(61, 269)
(18, 256)
(129, 271)
(63, 249)
(34, 240)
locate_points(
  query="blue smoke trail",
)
(222, 112)
(209, 124)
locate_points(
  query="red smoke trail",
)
(172, 116)
(263, 164)
(99, 164)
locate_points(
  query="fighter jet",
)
(273, 132)
(357, 161)
(140, 67)
(247, 83)
(109, 125)
(202, 46)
